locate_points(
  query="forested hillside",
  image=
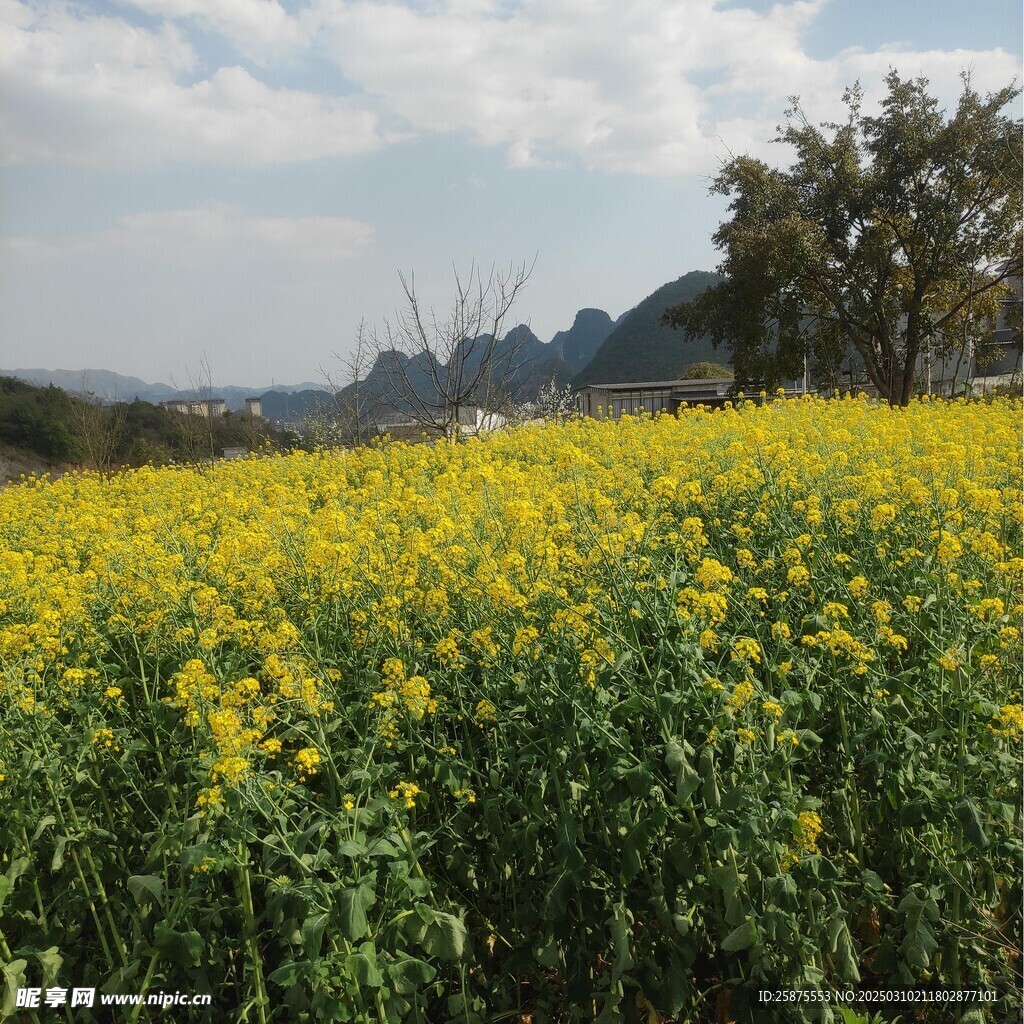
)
(640, 348)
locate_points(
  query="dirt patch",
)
(14, 463)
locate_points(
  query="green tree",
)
(892, 236)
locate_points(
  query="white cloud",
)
(95, 90)
(617, 85)
(659, 87)
(207, 233)
(258, 29)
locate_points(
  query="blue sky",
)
(244, 179)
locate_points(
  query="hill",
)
(109, 386)
(519, 359)
(289, 406)
(595, 349)
(46, 428)
(640, 348)
(104, 384)
(577, 346)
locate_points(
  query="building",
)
(993, 361)
(208, 407)
(610, 401)
(253, 408)
(474, 420)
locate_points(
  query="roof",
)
(666, 385)
(190, 401)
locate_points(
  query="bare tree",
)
(98, 428)
(437, 372)
(354, 418)
(193, 416)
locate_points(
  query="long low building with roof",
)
(611, 401)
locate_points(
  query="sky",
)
(239, 183)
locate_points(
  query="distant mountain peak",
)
(640, 348)
(576, 346)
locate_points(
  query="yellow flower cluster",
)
(406, 792)
(307, 760)
(1009, 722)
(401, 695)
(486, 712)
(806, 830)
(771, 554)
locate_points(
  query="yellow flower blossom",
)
(307, 760)
(741, 696)
(1009, 722)
(406, 792)
(806, 831)
(485, 712)
(747, 649)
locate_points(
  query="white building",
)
(208, 407)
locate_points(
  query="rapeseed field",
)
(591, 721)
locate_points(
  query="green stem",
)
(93, 911)
(854, 792)
(250, 932)
(122, 951)
(145, 987)
(35, 882)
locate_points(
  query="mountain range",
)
(117, 387)
(641, 349)
(595, 349)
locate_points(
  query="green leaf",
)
(739, 938)
(14, 978)
(146, 888)
(313, 933)
(548, 954)
(43, 825)
(783, 892)
(975, 1015)
(58, 852)
(622, 660)
(808, 739)
(686, 777)
(352, 914)
(364, 970)
(899, 710)
(352, 848)
(919, 941)
(385, 848)
(418, 886)
(17, 868)
(50, 961)
(408, 975)
(845, 958)
(620, 926)
(446, 937)
(967, 814)
(183, 948)
(290, 974)
(911, 813)
(5, 888)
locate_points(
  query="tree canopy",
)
(893, 236)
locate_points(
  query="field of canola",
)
(592, 721)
